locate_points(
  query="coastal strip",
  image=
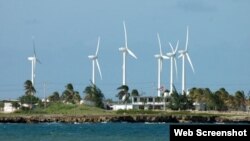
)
(117, 118)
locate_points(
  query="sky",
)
(66, 32)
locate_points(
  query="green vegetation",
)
(69, 102)
(1, 104)
(60, 108)
(95, 95)
(29, 99)
(219, 100)
(29, 88)
(123, 94)
(70, 95)
(55, 97)
(139, 112)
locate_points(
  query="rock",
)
(119, 118)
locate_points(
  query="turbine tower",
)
(33, 60)
(172, 56)
(124, 51)
(184, 55)
(95, 61)
(160, 58)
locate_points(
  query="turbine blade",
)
(34, 45)
(99, 69)
(97, 48)
(186, 40)
(125, 32)
(34, 50)
(159, 41)
(38, 61)
(181, 55)
(165, 57)
(131, 53)
(171, 47)
(176, 47)
(190, 62)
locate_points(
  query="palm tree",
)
(123, 94)
(29, 88)
(70, 96)
(55, 97)
(94, 94)
(28, 97)
(240, 99)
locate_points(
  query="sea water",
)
(84, 132)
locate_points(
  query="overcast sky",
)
(66, 32)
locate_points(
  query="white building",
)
(145, 103)
(8, 107)
(122, 107)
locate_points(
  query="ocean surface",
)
(84, 132)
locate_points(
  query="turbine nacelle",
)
(93, 57)
(182, 51)
(31, 58)
(158, 56)
(123, 49)
(170, 54)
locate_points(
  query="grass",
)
(65, 109)
(167, 113)
(71, 110)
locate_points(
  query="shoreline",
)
(121, 118)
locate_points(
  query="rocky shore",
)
(120, 118)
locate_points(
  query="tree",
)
(94, 94)
(179, 101)
(70, 95)
(1, 105)
(30, 100)
(29, 88)
(197, 95)
(55, 97)
(240, 99)
(185, 102)
(174, 101)
(123, 94)
(15, 104)
(220, 101)
(134, 92)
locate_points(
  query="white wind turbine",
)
(124, 51)
(160, 58)
(172, 56)
(95, 61)
(184, 54)
(33, 60)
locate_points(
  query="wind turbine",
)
(172, 56)
(95, 61)
(33, 60)
(160, 58)
(184, 54)
(124, 51)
